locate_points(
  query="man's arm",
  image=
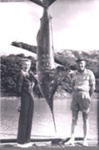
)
(91, 90)
(92, 83)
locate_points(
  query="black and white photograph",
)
(49, 59)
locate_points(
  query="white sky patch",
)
(19, 22)
(75, 24)
(81, 33)
(79, 30)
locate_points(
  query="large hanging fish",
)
(45, 57)
(48, 76)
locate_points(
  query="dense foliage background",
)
(10, 68)
(11, 65)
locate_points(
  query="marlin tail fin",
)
(38, 2)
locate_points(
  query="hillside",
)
(10, 67)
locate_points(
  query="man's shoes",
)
(85, 143)
(67, 143)
(70, 143)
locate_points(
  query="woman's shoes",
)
(29, 144)
(26, 145)
(22, 145)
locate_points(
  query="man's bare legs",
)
(74, 123)
(85, 127)
(73, 127)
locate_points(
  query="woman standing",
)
(26, 82)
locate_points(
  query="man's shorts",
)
(81, 101)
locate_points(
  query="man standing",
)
(83, 86)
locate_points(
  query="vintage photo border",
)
(67, 148)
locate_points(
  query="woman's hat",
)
(25, 59)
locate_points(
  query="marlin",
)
(48, 75)
(46, 70)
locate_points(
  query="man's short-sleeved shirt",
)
(83, 80)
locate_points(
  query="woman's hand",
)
(19, 105)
